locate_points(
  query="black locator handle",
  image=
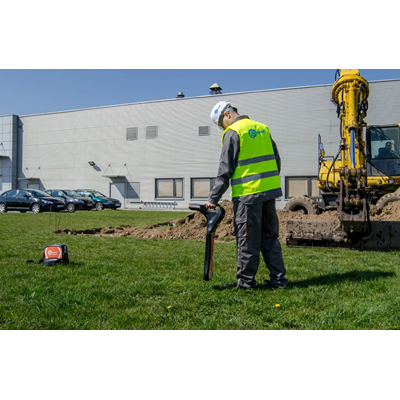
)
(213, 217)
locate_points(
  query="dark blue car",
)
(74, 201)
(29, 200)
(101, 201)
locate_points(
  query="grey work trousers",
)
(257, 230)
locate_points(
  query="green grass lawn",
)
(128, 283)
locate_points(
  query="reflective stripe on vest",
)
(256, 170)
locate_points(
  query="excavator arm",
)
(350, 93)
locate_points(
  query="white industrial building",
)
(165, 154)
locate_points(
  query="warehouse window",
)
(204, 130)
(132, 133)
(169, 188)
(300, 186)
(200, 187)
(151, 132)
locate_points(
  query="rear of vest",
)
(256, 170)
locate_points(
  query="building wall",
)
(8, 151)
(56, 147)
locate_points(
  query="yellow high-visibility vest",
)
(256, 169)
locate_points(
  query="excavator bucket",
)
(382, 235)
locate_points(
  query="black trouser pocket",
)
(240, 220)
(240, 229)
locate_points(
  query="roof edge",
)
(191, 98)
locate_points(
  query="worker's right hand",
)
(210, 206)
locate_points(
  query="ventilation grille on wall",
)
(132, 133)
(204, 130)
(151, 132)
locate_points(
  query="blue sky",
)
(34, 91)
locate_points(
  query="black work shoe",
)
(273, 286)
(235, 285)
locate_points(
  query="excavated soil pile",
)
(193, 226)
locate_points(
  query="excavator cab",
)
(383, 150)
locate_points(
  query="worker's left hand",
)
(210, 206)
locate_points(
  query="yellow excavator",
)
(365, 171)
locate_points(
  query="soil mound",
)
(193, 226)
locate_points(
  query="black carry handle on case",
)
(53, 254)
(214, 217)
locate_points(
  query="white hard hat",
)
(217, 112)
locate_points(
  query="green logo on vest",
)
(253, 133)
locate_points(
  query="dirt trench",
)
(193, 226)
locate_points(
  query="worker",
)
(250, 161)
(387, 152)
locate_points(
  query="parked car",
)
(100, 200)
(24, 200)
(73, 199)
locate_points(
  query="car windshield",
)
(38, 193)
(98, 194)
(72, 193)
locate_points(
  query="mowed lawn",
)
(129, 283)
